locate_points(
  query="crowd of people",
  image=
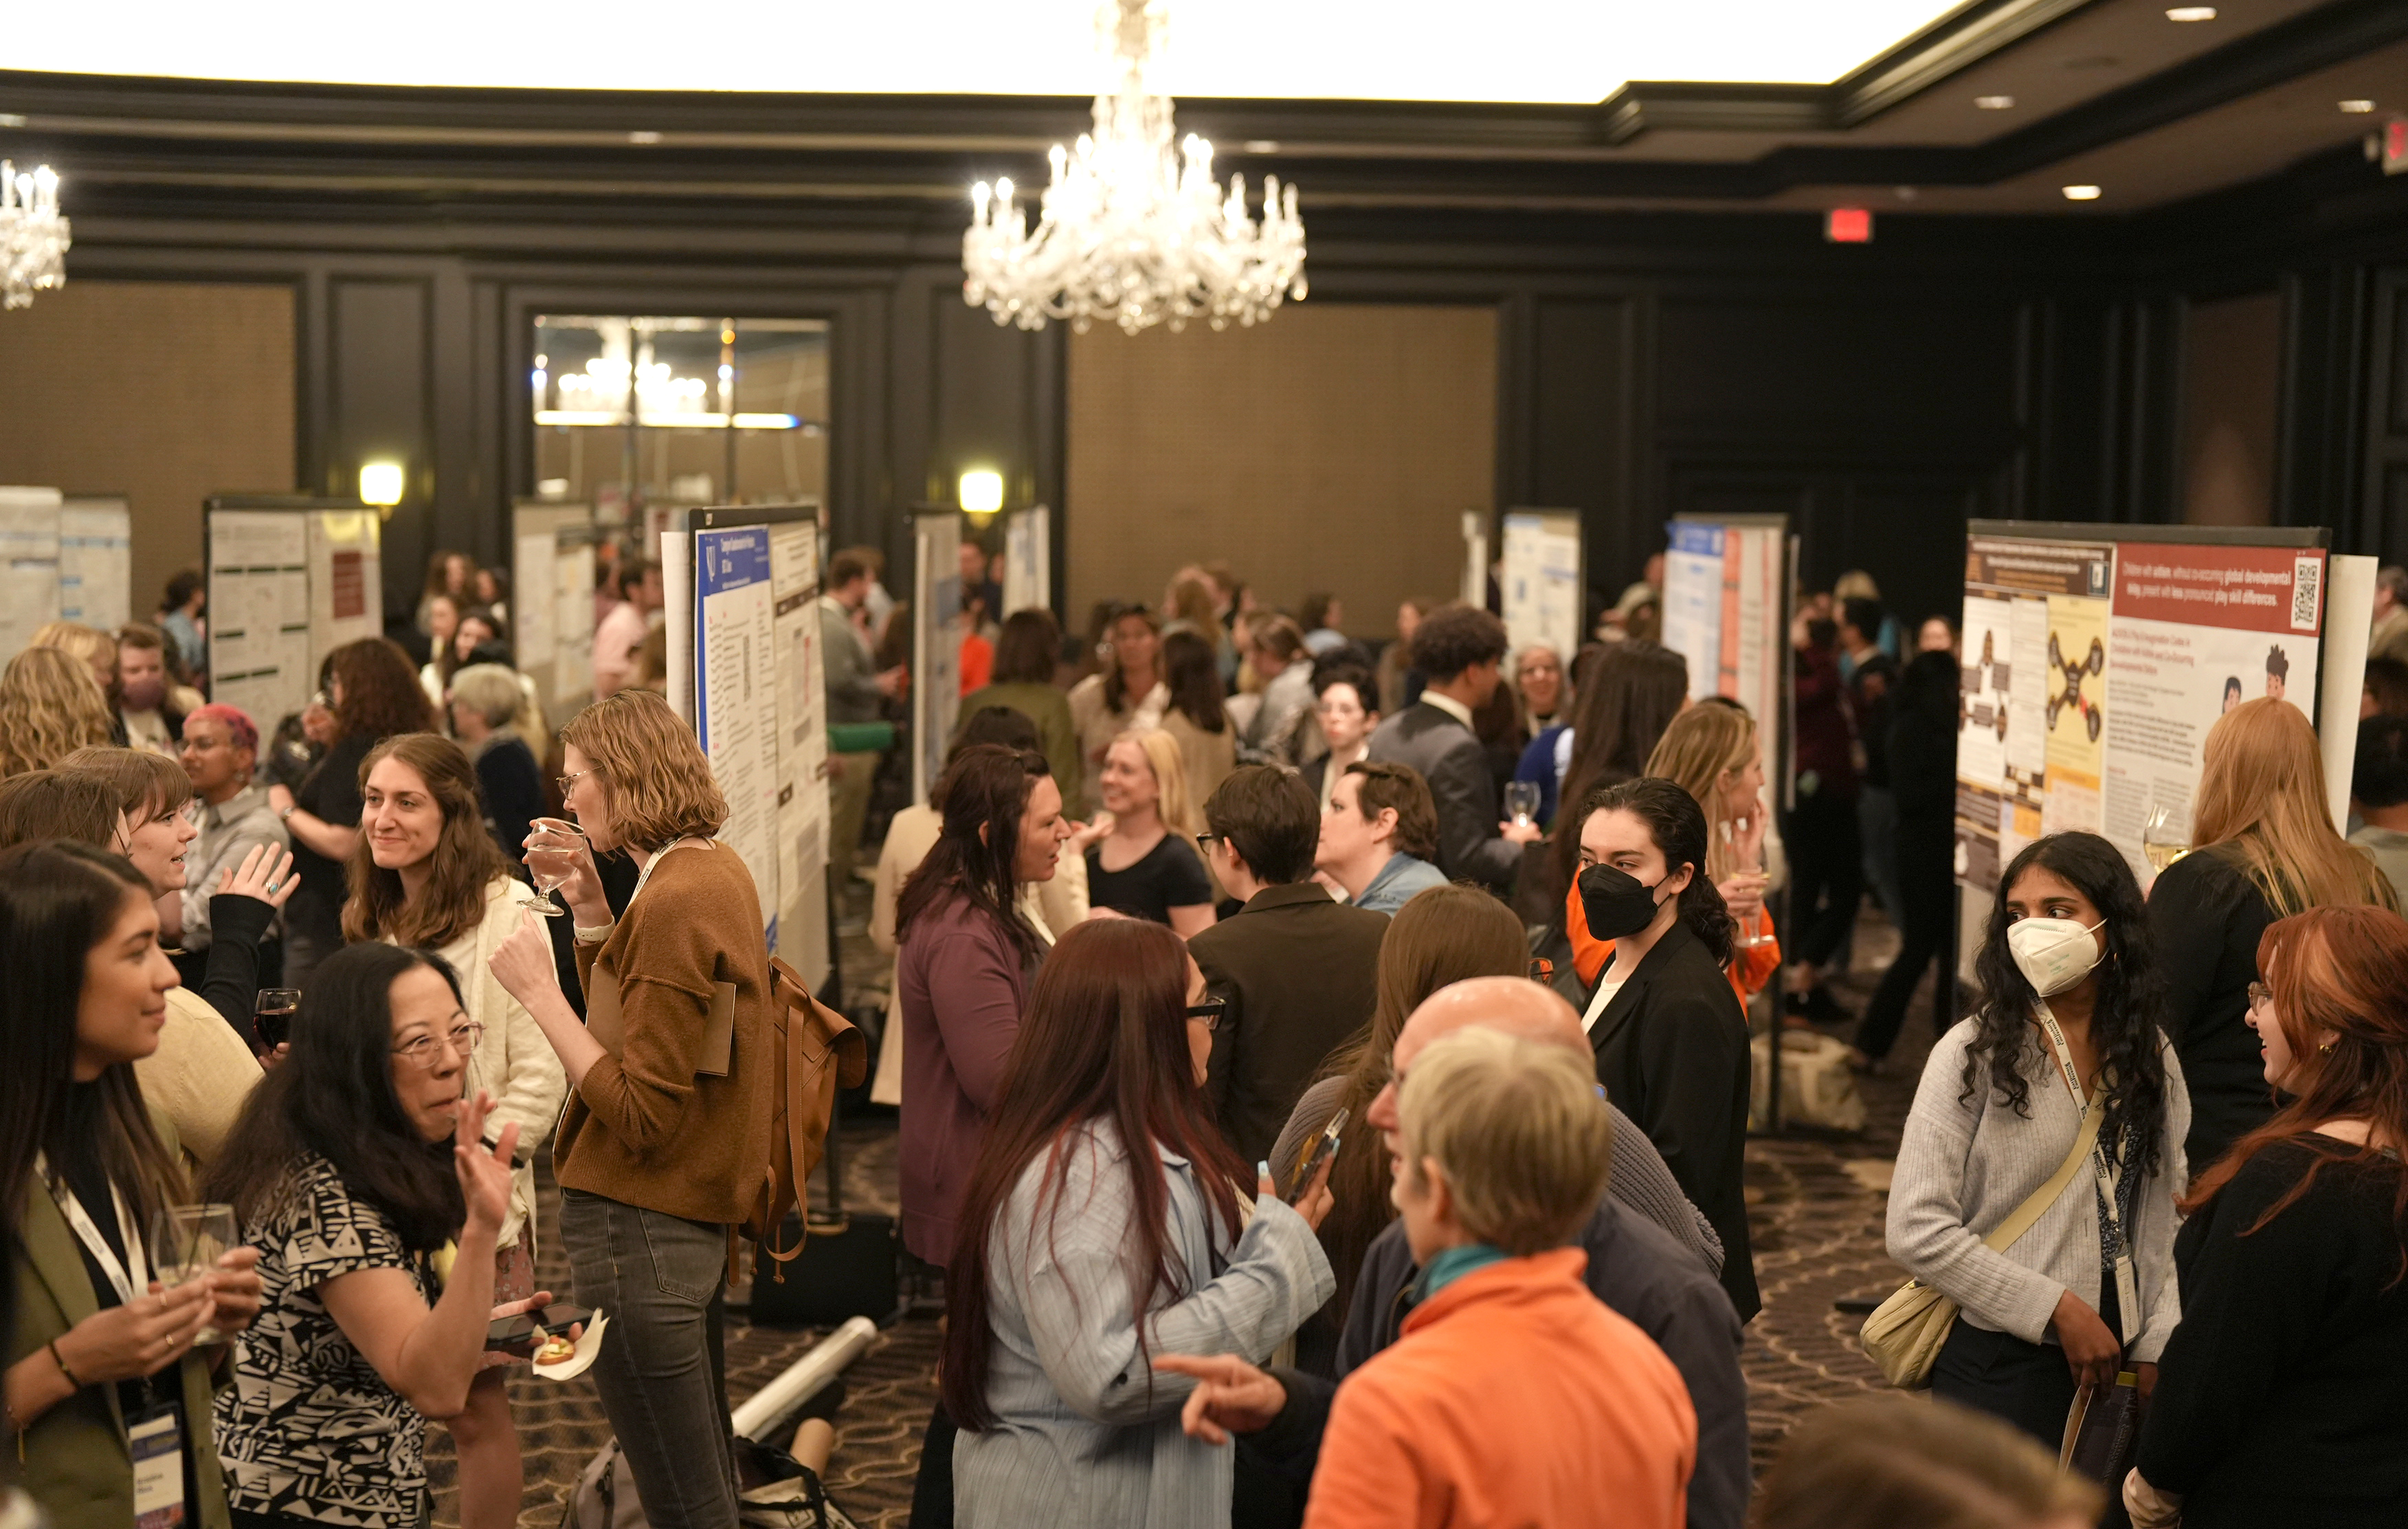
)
(1323, 1065)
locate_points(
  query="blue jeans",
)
(662, 1369)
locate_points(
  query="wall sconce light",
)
(981, 491)
(380, 483)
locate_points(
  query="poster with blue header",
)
(735, 696)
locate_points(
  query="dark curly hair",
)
(382, 695)
(2124, 1019)
(1678, 825)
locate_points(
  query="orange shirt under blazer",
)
(1515, 1399)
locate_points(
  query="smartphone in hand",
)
(1322, 1151)
(520, 1334)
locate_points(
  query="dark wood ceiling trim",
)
(1956, 41)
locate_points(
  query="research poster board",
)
(1028, 561)
(1725, 611)
(1474, 591)
(2092, 668)
(735, 696)
(552, 605)
(346, 578)
(96, 560)
(935, 642)
(802, 811)
(1542, 580)
(29, 564)
(258, 564)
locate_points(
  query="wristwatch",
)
(286, 816)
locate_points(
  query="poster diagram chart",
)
(1542, 580)
(2092, 670)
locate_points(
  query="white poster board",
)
(29, 564)
(551, 607)
(677, 610)
(1028, 561)
(346, 578)
(2349, 620)
(1542, 580)
(1475, 559)
(533, 612)
(1693, 603)
(260, 657)
(735, 697)
(97, 561)
(572, 626)
(803, 814)
(936, 643)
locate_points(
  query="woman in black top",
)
(373, 694)
(2264, 848)
(1142, 858)
(1670, 1036)
(2279, 1399)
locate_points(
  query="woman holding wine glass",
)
(667, 1132)
(427, 876)
(102, 1354)
(1713, 752)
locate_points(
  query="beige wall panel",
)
(1334, 447)
(166, 391)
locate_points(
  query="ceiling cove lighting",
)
(33, 237)
(2191, 13)
(1994, 103)
(1128, 231)
(2358, 107)
(2082, 193)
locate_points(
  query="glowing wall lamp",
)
(981, 491)
(380, 483)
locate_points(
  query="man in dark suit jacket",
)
(1297, 970)
(1460, 648)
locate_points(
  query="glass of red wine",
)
(272, 1016)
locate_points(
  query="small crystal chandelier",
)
(1129, 231)
(33, 236)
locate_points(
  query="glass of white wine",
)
(186, 1242)
(2163, 839)
(558, 842)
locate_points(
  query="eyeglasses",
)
(568, 782)
(1206, 841)
(1210, 1012)
(2261, 994)
(426, 1051)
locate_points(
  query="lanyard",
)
(646, 874)
(2108, 1173)
(129, 1283)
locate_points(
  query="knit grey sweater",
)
(1963, 1167)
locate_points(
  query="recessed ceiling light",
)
(2191, 13)
(2082, 193)
(1261, 146)
(2358, 107)
(1993, 103)
(643, 137)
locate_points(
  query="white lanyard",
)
(2108, 1172)
(646, 874)
(129, 1283)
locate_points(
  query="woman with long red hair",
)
(1105, 1225)
(2280, 1398)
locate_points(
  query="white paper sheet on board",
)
(259, 612)
(1693, 597)
(1028, 560)
(1542, 580)
(736, 699)
(534, 608)
(935, 645)
(29, 564)
(802, 826)
(97, 561)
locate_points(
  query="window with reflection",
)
(636, 412)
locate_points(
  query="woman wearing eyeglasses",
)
(353, 1167)
(1107, 1222)
(426, 874)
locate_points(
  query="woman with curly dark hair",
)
(2066, 1042)
(1669, 1035)
(374, 694)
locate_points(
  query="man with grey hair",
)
(1634, 1267)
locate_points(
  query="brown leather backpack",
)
(813, 1051)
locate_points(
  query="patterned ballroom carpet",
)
(1817, 1202)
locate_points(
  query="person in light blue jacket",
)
(1107, 1222)
(1379, 835)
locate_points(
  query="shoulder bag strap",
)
(2041, 1198)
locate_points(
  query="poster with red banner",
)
(2196, 629)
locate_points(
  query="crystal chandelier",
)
(33, 236)
(1131, 232)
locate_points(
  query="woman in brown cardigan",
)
(666, 1136)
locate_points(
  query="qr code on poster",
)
(2307, 582)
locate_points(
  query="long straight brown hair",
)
(2261, 791)
(1104, 1038)
(465, 862)
(2341, 971)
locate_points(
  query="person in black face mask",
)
(1670, 1036)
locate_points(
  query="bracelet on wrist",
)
(60, 1360)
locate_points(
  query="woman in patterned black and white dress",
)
(357, 1169)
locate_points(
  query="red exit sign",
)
(1848, 225)
(2395, 146)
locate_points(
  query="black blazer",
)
(1299, 973)
(1449, 756)
(1672, 1052)
(2206, 917)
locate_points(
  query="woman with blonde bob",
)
(2263, 847)
(2278, 1397)
(1711, 752)
(49, 708)
(1142, 858)
(661, 1148)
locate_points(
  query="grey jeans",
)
(662, 1369)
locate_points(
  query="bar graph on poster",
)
(2092, 670)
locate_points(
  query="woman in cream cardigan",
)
(427, 874)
